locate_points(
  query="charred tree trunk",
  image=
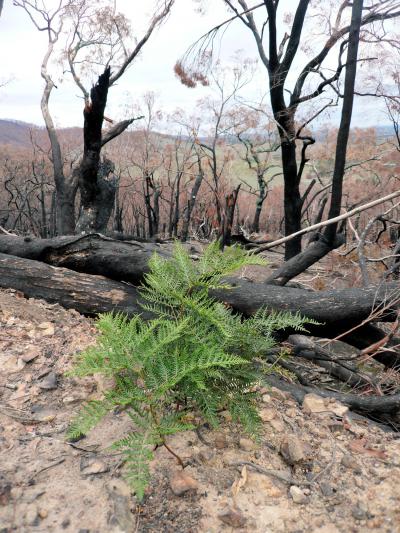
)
(97, 195)
(262, 194)
(345, 120)
(229, 213)
(191, 204)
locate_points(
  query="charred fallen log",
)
(91, 253)
(86, 293)
(336, 310)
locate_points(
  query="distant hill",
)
(15, 132)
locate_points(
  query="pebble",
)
(220, 441)
(277, 425)
(312, 403)
(30, 355)
(293, 450)
(298, 495)
(43, 513)
(180, 483)
(232, 517)
(350, 462)
(49, 382)
(91, 466)
(267, 415)
(31, 515)
(246, 444)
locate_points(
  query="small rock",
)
(279, 394)
(49, 382)
(90, 466)
(180, 483)
(205, 456)
(220, 441)
(293, 450)
(350, 462)
(336, 407)
(266, 398)
(326, 490)
(31, 515)
(43, 513)
(312, 403)
(277, 425)
(359, 512)
(47, 329)
(65, 523)
(267, 415)
(298, 495)
(30, 354)
(232, 517)
(246, 444)
(291, 413)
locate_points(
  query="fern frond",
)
(137, 451)
(88, 417)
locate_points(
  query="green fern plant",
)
(192, 360)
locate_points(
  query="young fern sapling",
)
(191, 361)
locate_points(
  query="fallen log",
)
(91, 253)
(86, 293)
(336, 310)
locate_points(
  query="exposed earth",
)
(320, 472)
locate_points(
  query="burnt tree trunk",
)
(229, 213)
(191, 203)
(97, 194)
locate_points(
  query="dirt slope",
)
(320, 472)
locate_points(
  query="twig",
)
(274, 473)
(46, 468)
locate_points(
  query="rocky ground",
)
(317, 468)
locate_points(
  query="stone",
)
(43, 513)
(31, 515)
(90, 466)
(266, 398)
(359, 512)
(220, 441)
(293, 450)
(46, 329)
(180, 483)
(247, 445)
(49, 382)
(350, 462)
(65, 523)
(277, 425)
(298, 495)
(312, 403)
(232, 517)
(336, 407)
(30, 354)
(267, 415)
(279, 394)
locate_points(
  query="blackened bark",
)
(299, 263)
(229, 213)
(345, 120)
(191, 203)
(91, 254)
(94, 190)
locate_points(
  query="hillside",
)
(15, 132)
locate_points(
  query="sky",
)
(23, 48)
